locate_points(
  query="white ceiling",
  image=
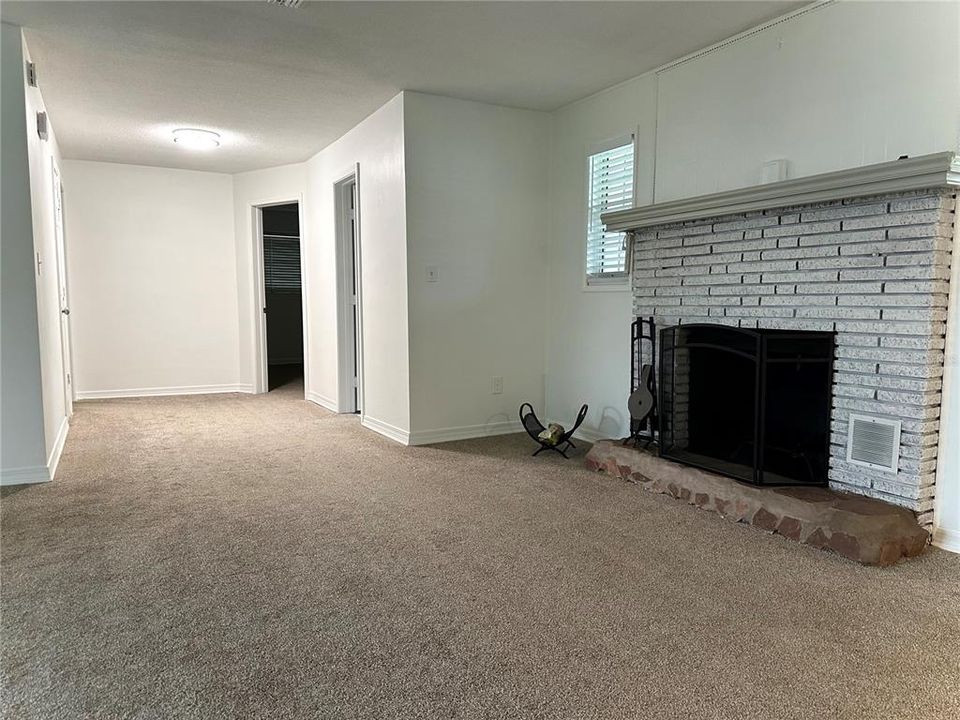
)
(281, 84)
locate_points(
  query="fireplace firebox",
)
(751, 404)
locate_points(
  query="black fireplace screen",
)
(750, 404)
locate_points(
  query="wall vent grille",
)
(286, 3)
(874, 442)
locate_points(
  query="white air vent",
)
(874, 442)
(287, 3)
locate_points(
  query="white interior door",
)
(62, 290)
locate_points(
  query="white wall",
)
(376, 144)
(250, 189)
(588, 340)
(476, 199)
(846, 85)
(851, 84)
(22, 438)
(153, 280)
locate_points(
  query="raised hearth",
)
(869, 531)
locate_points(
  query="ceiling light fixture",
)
(196, 139)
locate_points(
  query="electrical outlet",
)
(497, 388)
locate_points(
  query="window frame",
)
(610, 282)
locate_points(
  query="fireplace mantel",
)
(927, 171)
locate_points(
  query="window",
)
(610, 187)
(281, 263)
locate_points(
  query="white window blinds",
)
(281, 263)
(610, 188)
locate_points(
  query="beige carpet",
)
(259, 557)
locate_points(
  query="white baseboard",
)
(464, 432)
(386, 429)
(39, 473)
(322, 400)
(947, 539)
(54, 459)
(162, 391)
(25, 475)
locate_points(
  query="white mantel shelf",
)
(926, 171)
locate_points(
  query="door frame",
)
(349, 261)
(63, 289)
(259, 295)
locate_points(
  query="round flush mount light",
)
(196, 139)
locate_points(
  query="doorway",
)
(349, 295)
(282, 297)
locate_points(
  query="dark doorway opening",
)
(283, 295)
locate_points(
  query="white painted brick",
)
(889, 354)
(856, 261)
(890, 327)
(888, 299)
(844, 211)
(710, 258)
(799, 252)
(760, 312)
(855, 391)
(746, 245)
(828, 226)
(842, 238)
(928, 258)
(897, 273)
(909, 370)
(713, 280)
(794, 301)
(904, 396)
(900, 313)
(741, 289)
(922, 286)
(682, 230)
(943, 230)
(847, 313)
(713, 239)
(923, 217)
(798, 277)
(746, 223)
(763, 266)
(924, 244)
(919, 203)
(928, 342)
(851, 288)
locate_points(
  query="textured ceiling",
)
(281, 84)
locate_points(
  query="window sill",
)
(618, 285)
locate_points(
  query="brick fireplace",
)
(862, 253)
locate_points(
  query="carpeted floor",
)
(259, 557)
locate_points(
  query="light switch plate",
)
(433, 273)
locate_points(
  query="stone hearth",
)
(869, 531)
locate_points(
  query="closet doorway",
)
(282, 333)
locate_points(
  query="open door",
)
(62, 291)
